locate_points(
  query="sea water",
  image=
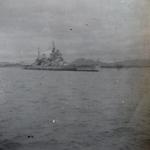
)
(109, 109)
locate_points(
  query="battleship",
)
(56, 62)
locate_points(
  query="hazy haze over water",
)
(108, 29)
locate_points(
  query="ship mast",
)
(54, 48)
(38, 53)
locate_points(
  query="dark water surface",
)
(42, 110)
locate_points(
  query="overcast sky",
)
(106, 29)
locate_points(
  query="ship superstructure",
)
(55, 62)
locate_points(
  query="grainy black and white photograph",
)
(74, 75)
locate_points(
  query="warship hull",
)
(62, 68)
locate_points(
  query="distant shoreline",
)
(101, 67)
(138, 63)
